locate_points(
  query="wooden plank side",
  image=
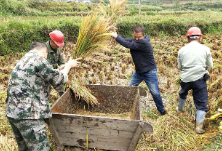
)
(95, 122)
(92, 137)
(100, 130)
(95, 142)
(60, 106)
(98, 122)
(55, 134)
(136, 110)
(147, 127)
(95, 131)
(136, 137)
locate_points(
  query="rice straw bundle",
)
(93, 35)
(116, 7)
(81, 92)
(114, 11)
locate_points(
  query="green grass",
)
(41, 8)
(18, 32)
(143, 85)
(150, 115)
(38, 20)
(116, 58)
(115, 51)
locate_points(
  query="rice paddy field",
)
(174, 131)
(114, 66)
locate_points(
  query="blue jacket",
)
(141, 52)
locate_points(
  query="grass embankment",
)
(55, 8)
(194, 6)
(16, 33)
(41, 8)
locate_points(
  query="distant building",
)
(84, 1)
(79, 1)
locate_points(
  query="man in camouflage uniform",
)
(55, 56)
(27, 103)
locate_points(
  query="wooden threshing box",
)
(71, 129)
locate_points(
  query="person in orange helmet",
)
(194, 59)
(55, 56)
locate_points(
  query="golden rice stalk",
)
(116, 6)
(93, 36)
(114, 10)
(83, 93)
(216, 116)
(94, 33)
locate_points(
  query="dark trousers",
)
(200, 95)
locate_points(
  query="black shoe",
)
(163, 113)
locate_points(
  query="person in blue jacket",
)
(142, 53)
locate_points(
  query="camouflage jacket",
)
(28, 88)
(55, 58)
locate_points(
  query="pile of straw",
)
(81, 92)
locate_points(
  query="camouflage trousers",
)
(30, 134)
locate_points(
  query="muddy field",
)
(115, 67)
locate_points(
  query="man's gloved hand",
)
(206, 76)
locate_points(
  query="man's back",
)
(194, 59)
(28, 87)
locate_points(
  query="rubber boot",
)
(200, 122)
(181, 105)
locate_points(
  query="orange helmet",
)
(57, 37)
(194, 31)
